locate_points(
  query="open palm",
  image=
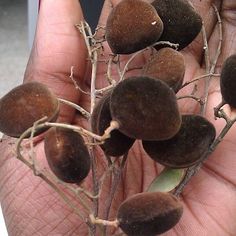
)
(32, 208)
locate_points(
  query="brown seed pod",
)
(181, 22)
(187, 146)
(228, 80)
(149, 213)
(24, 105)
(167, 65)
(131, 26)
(118, 144)
(67, 154)
(145, 108)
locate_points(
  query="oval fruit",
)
(118, 144)
(187, 147)
(145, 108)
(149, 213)
(67, 154)
(181, 22)
(167, 65)
(24, 105)
(131, 26)
(228, 80)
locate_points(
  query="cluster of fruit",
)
(140, 108)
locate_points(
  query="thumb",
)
(57, 46)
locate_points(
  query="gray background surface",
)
(14, 48)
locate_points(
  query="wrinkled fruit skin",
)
(187, 147)
(149, 213)
(24, 105)
(131, 26)
(118, 144)
(228, 81)
(167, 65)
(145, 108)
(181, 22)
(67, 154)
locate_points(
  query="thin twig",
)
(192, 97)
(211, 70)
(98, 221)
(208, 66)
(199, 78)
(92, 48)
(72, 190)
(206, 48)
(218, 51)
(116, 176)
(109, 66)
(95, 183)
(86, 193)
(78, 129)
(85, 113)
(75, 82)
(125, 69)
(217, 109)
(81, 28)
(129, 61)
(105, 89)
(32, 152)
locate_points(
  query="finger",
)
(57, 46)
(228, 24)
(222, 162)
(29, 206)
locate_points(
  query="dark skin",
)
(31, 207)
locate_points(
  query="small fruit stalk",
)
(141, 108)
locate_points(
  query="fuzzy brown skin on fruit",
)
(24, 105)
(187, 147)
(167, 65)
(118, 144)
(228, 81)
(67, 154)
(131, 26)
(149, 213)
(145, 108)
(181, 22)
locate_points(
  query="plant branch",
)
(116, 176)
(199, 78)
(109, 66)
(75, 82)
(85, 113)
(191, 171)
(192, 97)
(211, 68)
(125, 69)
(218, 51)
(98, 221)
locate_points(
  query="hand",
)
(31, 207)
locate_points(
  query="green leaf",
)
(167, 180)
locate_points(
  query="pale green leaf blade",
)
(167, 180)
